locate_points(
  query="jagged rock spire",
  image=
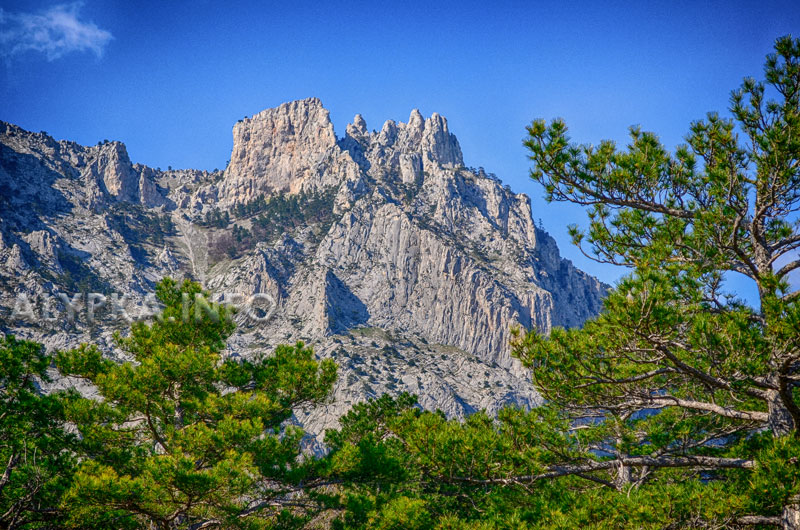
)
(293, 147)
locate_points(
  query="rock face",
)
(379, 248)
(284, 150)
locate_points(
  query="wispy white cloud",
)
(53, 32)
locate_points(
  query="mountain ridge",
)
(379, 248)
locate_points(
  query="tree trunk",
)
(790, 520)
(780, 420)
(12, 461)
(623, 477)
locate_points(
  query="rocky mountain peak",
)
(276, 150)
(358, 128)
(416, 121)
(112, 168)
(424, 142)
(293, 147)
(36, 165)
(439, 144)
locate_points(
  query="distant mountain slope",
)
(380, 248)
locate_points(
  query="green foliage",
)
(183, 435)
(402, 513)
(405, 468)
(137, 225)
(776, 480)
(216, 218)
(270, 219)
(402, 466)
(76, 276)
(35, 461)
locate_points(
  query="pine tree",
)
(677, 372)
(182, 437)
(36, 458)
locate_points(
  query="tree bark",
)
(780, 420)
(623, 477)
(12, 461)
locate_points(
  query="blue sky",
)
(171, 78)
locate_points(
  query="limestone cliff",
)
(379, 248)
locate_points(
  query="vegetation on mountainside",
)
(137, 225)
(268, 220)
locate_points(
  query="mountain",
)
(381, 249)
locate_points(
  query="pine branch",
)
(701, 462)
